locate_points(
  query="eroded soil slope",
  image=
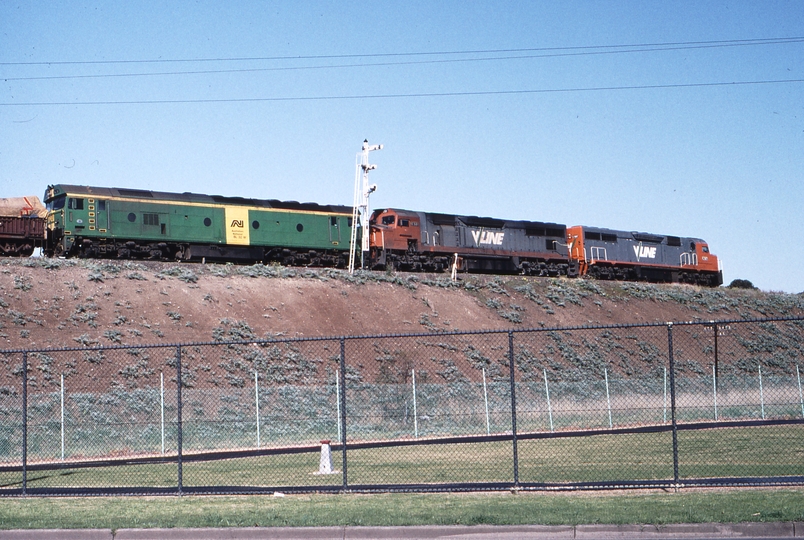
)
(57, 303)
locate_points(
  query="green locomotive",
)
(85, 221)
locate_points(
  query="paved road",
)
(746, 531)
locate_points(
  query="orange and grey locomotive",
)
(422, 241)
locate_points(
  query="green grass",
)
(738, 452)
(654, 507)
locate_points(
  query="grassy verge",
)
(654, 507)
(727, 452)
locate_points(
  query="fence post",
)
(415, 411)
(486, 400)
(62, 416)
(664, 419)
(513, 406)
(714, 388)
(800, 396)
(608, 397)
(343, 412)
(178, 421)
(547, 393)
(257, 404)
(24, 423)
(338, 400)
(716, 370)
(761, 394)
(162, 407)
(673, 401)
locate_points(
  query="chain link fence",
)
(662, 405)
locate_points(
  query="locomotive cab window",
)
(333, 221)
(57, 204)
(404, 223)
(101, 206)
(388, 220)
(705, 249)
(76, 204)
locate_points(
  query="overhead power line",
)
(669, 45)
(633, 49)
(412, 95)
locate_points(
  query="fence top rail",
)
(270, 341)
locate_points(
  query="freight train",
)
(122, 223)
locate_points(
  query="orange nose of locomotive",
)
(706, 261)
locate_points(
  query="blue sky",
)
(564, 124)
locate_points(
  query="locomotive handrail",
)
(687, 256)
(597, 250)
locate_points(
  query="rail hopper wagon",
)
(100, 222)
(22, 226)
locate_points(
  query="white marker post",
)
(325, 462)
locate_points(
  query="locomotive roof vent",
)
(646, 237)
(135, 193)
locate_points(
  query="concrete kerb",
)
(451, 532)
(692, 530)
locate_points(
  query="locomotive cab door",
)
(335, 230)
(102, 221)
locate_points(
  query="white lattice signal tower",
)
(360, 208)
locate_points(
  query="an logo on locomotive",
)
(488, 237)
(237, 223)
(645, 252)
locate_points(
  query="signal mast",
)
(361, 204)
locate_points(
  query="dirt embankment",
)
(57, 303)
